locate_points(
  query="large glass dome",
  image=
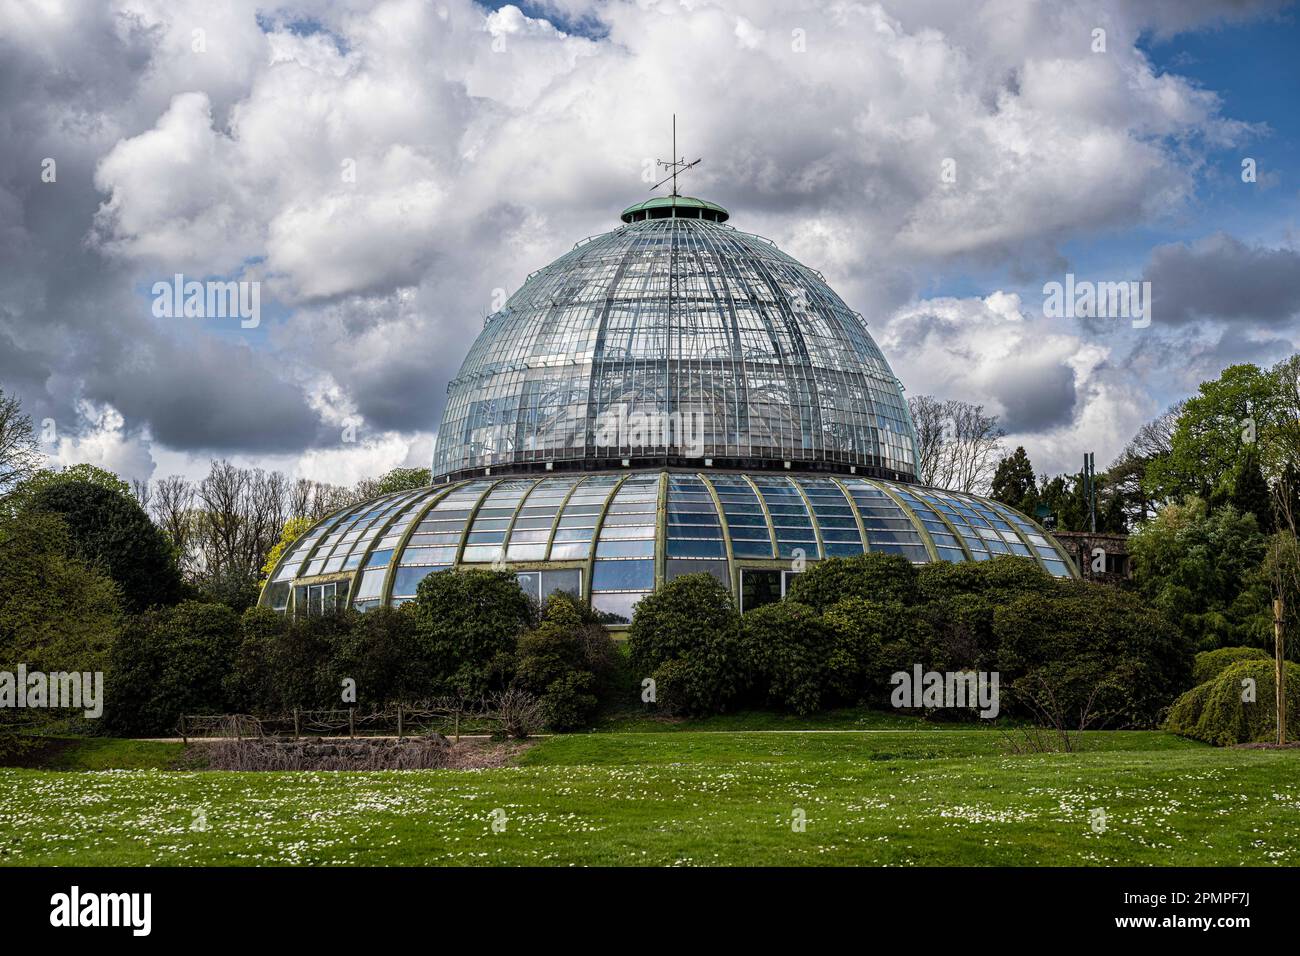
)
(801, 447)
(675, 317)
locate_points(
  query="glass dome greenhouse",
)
(674, 396)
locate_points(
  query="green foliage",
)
(1216, 713)
(167, 662)
(236, 588)
(293, 529)
(45, 478)
(1064, 497)
(1014, 483)
(872, 577)
(568, 703)
(565, 660)
(109, 529)
(1210, 664)
(56, 611)
(999, 578)
(859, 630)
(1250, 494)
(467, 625)
(381, 652)
(403, 479)
(1245, 409)
(1202, 571)
(282, 663)
(686, 637)
(1091, 649)
(685, 614)
(1185, 712)
(789, 654)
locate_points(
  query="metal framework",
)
(799, 444)
(615, 537)
(676, 319)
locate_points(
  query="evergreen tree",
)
(1250, 493)
(1014, 484)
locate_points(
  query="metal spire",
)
(678, 164)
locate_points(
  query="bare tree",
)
(959, 446)
(19, 454)
(928, 418)
(171, 505)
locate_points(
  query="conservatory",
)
(671, 397)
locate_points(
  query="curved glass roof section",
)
(668, 341)
(614, 537)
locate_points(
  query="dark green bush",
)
(109, 529)
(380, 650)
(565, 661)
(57, 613)
(1091, 641)
(687, 613)
(873, 577)
(167, 662)
(789, 655)
(1185, 712)
(859, 630)
(997, 580)
(568, 703)
(1210, 664)
(468, 623)
(1215, 712)
(686, 636)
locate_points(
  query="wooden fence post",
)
(295, 723)
(399, 723)
(184, 739)
(352, 727)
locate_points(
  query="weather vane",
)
(678, 164)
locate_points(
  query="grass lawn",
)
(926, 795)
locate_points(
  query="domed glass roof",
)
(675, 340)
(612, 538)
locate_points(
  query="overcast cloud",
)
(385, 169)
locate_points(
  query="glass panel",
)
(622, 575)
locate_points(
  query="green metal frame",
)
(595, 534)
(386, 593)
(952, 529)
(911, 516)
(857, 515)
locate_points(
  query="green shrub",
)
(1091, 642)
(57, 613)
(686, 614)
(567, 661)
(468, 623)
(1210, 664)
(109, 529)
(859, 630)
(380, 650)
(789, 655)
(1185, 713)
(1215, 712)
(873, 577)
(568, 703)
(998, 580)
(168, 662)
(686, 636)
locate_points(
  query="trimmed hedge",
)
(1215, 713)
(1210, 664)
